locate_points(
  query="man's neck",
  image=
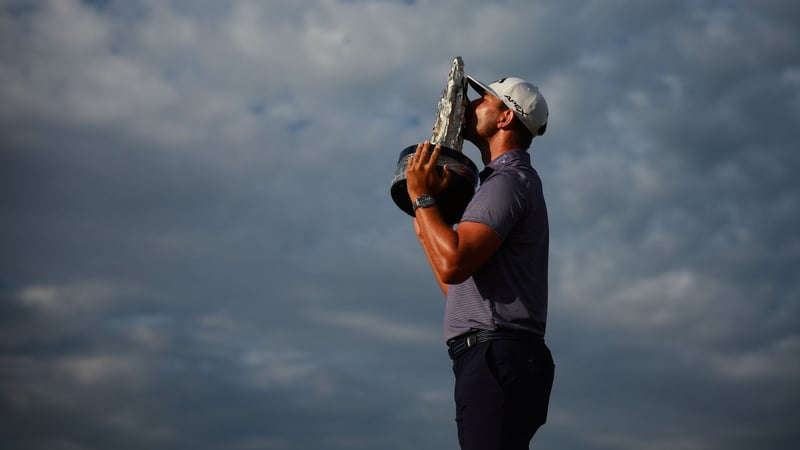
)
(498, 150)
(501, 142)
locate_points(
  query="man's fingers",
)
(435, 155)
(415, 160)
(423, 151)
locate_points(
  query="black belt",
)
(458, 345)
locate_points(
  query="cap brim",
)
(480, 87)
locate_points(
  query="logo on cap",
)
(517, 106)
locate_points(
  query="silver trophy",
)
(453, 199)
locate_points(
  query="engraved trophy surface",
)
(453, 199)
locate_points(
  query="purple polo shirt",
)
(510, 290)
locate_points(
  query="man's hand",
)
(422, 174)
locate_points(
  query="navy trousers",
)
(502, 392)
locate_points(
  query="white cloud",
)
(775, 362)
(93, 370)
(377, 327)
(73, 299)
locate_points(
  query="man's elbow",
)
(454, 274)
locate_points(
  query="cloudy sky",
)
(198, 249)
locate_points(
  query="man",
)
(493, 269)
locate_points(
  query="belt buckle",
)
(471, 340)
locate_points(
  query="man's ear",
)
(506, 119)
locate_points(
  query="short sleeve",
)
(498, 203)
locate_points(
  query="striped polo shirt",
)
(510, 290)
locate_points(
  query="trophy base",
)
(453, 199)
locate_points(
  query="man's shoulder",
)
(502, 179)
(514, 176)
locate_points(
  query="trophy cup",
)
(453, 199)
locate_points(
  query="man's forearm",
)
(454, 254)
(439, 240)
(429, 255)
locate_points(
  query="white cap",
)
(521, 97)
